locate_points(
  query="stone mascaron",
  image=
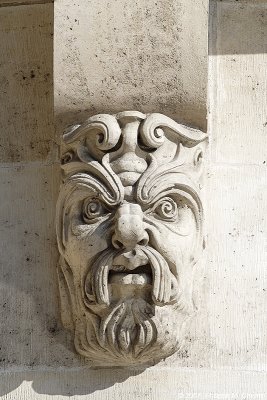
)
(129, 231)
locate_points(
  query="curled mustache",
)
(164, 285)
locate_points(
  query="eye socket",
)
(166, 209)
(92, 210)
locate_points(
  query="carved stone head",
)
(129, 230)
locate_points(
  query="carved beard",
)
(129, 329)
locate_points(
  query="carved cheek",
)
(85, 241)
(175, 248)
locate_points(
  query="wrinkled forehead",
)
(135, 157)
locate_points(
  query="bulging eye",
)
(92, 210)
(166, 209)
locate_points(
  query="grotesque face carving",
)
(129, 228)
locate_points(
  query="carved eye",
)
(92, 210)
(166, 209)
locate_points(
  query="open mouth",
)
(131, 273)
(120, 275)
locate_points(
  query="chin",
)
(131, 332)
(124, 319)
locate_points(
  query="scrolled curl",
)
(106, 127)
(152, 131)
(151, 135)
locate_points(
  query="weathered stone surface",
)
(238, 121)
(146, 55)
(30, 329)
(225, 353)
(26, 76)
(236, 255)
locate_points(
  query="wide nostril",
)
(120, 244)
(143, 242)
(117, 243)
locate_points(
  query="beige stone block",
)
(143, 55)
(26, 77)
(238, 83)
(30, 333)
(151, 384)
(236, 211)
(229, 330)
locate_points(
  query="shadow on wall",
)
(81, 381)
(237, 27)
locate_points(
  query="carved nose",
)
(129, 232)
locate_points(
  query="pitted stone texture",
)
(26, 77)
(146, 55)
(30, 333)
(236, 254)
(238, 121)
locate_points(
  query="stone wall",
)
(144, 55)
(149, 56)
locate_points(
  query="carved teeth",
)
(121, 278)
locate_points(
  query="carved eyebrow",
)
(150, 190)
(154, 187)
(94, 184)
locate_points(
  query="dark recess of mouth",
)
(142, 269)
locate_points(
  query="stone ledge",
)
(9, 3)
